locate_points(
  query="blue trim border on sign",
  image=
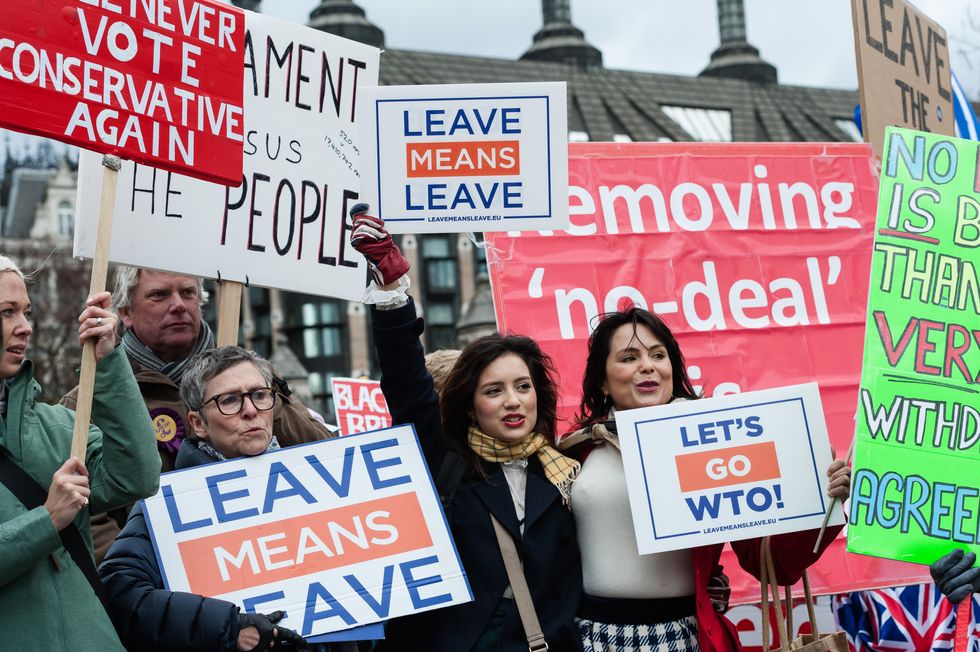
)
(646, 485)
(377, 138)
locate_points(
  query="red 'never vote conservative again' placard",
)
(156, 81)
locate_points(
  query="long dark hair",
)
(456, 401)
(595, 404)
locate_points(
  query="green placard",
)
(915, 493)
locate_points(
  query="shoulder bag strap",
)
(28, 491)
(518, 584)
(447, 480)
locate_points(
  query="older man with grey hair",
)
(161, 317)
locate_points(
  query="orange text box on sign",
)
(304, 545)
(727, 466)
(463, 159)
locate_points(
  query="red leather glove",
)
(369, 237)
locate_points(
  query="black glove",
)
(955, 575)
(719, 590)
(271, 637)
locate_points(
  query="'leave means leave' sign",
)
(339, 533)
(470, 157)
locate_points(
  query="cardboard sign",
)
(756, 255)
(285, 225)
(338, 533)
(903, 70)
(915, 493)
(725, 469)
(157, 81)
(470, 157)
(360, 405)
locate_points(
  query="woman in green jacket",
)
(46, 602)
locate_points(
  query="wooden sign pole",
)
(229, 312)
(100, 270)
(833, 503)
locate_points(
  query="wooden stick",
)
(100, 270)
(833, 503)
(229, 312)
(790, 630)
(774, 587)
(764, 582)
(814, 629)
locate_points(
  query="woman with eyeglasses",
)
(230, 398)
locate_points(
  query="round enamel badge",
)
(168, 426)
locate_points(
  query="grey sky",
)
(810, 42)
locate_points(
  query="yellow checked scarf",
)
(598, 433)
(559, 470)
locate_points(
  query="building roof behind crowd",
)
(736, 97)
(624, 105)
(28, 189)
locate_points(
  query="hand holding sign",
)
(955, 575)
(839, 485)
(68, 493)
(98, 324)
(258, 633)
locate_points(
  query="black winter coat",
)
(150, 618)
(548, 549)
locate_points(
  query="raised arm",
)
(396, 328)
(121, 457)
(405, 382)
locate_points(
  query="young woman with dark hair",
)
(464, 395)
(635, 602)
(498, 418)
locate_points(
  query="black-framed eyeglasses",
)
(263, 398)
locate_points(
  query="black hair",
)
(595, 404)
(459, 389)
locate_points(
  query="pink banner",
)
(758, 257)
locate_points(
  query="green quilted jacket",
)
(46, 604)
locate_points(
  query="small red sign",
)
(360, 405)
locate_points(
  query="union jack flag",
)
(909, 618)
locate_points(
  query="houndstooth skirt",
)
(673, 636)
